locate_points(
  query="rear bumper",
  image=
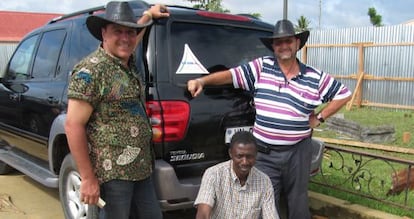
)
(174, 194)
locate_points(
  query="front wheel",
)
(69, 192)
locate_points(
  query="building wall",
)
(6, 51)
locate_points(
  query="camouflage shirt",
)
(119, 133)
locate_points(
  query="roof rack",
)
(88, 11)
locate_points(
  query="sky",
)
(322, 14)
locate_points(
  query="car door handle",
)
(52, 100)
(14, 97)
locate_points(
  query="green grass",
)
(355, 199)
(403, 121)
(375, 177)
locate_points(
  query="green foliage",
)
(356, 199)
(256, 15)
(403, 121)
(215, 5)
(210, 5)
(375, 18)
(303, 24)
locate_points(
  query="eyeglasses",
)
(278, 42)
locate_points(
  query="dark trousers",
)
(130, 199)
(289, 170)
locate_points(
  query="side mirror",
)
(19, 88)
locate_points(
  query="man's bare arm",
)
(203, 211)
(195, 86)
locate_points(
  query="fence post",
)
(360, 74)
(304, 54)
(357, 95)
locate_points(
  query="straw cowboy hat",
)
(284, 28)
(116, 13)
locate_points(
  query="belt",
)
(265, 148)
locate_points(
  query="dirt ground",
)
(23, 198)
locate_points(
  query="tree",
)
(210, 5)
(215, 5)
(256, 15)
(303, 24)
(376, 19)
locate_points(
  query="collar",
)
(302, 67)
(116, 60)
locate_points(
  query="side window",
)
(20, 62)
(48, 54)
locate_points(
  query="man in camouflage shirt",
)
(107, 128)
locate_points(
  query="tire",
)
(4, 168)
(69, 194)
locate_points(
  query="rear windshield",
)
(215, 47)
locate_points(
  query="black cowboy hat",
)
(117, 13)
(284, 28)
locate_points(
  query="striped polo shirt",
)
(283, 106)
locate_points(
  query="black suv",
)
(189, 134)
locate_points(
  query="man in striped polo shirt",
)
(286, 93)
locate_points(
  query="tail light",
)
(169, 119)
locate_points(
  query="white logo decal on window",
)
(190, 64)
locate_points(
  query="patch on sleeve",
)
(84, 74)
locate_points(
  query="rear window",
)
(215, 47)
(82, 44)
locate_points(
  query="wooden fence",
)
(362, 76)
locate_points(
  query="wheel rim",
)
(77, 209)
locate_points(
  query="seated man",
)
(235, 188)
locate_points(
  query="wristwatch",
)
(320, 118)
